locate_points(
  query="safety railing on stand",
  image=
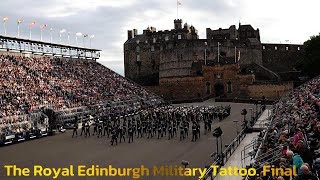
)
(249, 151)
(224, 157)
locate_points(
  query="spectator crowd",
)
(295, 132)
(29, 83)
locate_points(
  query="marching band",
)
(165, 121)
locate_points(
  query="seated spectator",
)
(306, 174)
(295, 161)
(304, 152)
(29, 84)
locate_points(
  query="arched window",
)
(229, 87)
(208, 87)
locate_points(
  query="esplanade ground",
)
(62, 151)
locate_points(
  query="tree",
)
(311, 61)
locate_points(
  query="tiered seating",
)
(27, 84)
(22, 91)
(296, 127)
(84, 82)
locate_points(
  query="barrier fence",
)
(226, 154)
(221, 159)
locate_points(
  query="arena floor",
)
(62, 151)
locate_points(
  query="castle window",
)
(275, 48)
(229, 87)
(152, 48)
(181, 56)
(205, 55)
(138, 49)
(287, 48)
(208, 87)
(298, 48)
(152, 61)
(263, 47)
(167, 38)
(154, 40)
(138, 58)
(179, 36)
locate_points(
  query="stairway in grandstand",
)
(242, 150)
(244, 154)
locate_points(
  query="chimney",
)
(135, 32)
(130, 35)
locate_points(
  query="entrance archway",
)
(219, 89)
(208, 85)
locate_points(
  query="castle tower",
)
(178, 24)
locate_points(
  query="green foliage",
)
(311, 60)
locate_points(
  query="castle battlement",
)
(153, 55)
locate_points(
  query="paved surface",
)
(263, 121)
(62, 151)
(235, 159)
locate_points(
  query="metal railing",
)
(226, 154)
(276, 153)
(230, 149)
(246, 152)
(233, 145)
(270, 157)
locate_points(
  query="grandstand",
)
(293, 133)
(45, 85)
(291, 138)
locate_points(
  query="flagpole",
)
(51, 35)
(235, 54)
(30, 32)
(177, 10)
(18, 30)
(5, 28)
(218, 52)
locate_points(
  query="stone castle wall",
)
(272, 91)
(281, 57)
(172, 62)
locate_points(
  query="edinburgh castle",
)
(229, 63)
